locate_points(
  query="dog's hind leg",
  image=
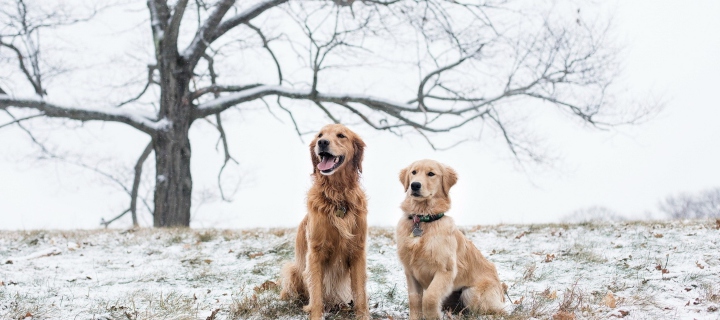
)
(292, 280)
(485, 297)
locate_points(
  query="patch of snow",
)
(112, 271)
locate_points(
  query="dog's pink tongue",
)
(326, 164)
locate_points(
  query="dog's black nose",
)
(323, 143)
(415, 186)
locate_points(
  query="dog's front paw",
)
(315, 313)
(362, 314)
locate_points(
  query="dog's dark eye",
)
(430, 174)
(340, 135)
(414, 172)
(320, 135)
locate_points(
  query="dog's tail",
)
(292, 282)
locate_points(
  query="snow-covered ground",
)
(644, 270)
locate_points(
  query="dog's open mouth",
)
(328, 162)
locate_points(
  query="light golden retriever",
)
(437, 258)
(330, 267)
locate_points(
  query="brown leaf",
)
(550, 295)
(28, 315)
(712, 309)
(658, 267)
(697, 263)
(664, 271)
(549, 257)
(658, 235)
(213, 314)
(520, 235)
(519, 301)
(563, 315)
(9, 262)
(609, 300)
(717, 224)
(208, 261)
(255, 255)
(267, 285)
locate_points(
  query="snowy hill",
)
(640, 270)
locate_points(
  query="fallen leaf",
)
(267, 285)
(549, 257)
(658, 235)
(717, 224)
(563, 315)
(609, 300)
(213, 314)
(2, 283)
(28, 315)
(520, 235)
(9, 262)
(664, 271)
(688, 289)
(697, 263)
(255, 255)
(550, 295)
(712, 309)
(621, 314)
(658, 267)
(519, 301)
(208, 261)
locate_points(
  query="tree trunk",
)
(173, 185)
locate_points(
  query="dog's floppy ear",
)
(404, 179)
(359, 147)
(449, 178)
(313, 157)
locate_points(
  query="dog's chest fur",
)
(433, 250)
(337, 236)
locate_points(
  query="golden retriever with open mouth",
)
(330, 259)
(437, 258)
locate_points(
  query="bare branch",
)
(151, 70)
(203, 36)
(143, 123)
(267, 47)
(173, 29)
(219, 88)
(214, 29)
(108, 222)
(136, 182)
(21, 120)
(34, 81)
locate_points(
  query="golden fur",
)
(330, 259)
(441, 261)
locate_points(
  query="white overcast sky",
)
(672, 51)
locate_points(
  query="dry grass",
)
(171, 266)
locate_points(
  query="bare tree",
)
(473, 61)
(705, 204)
